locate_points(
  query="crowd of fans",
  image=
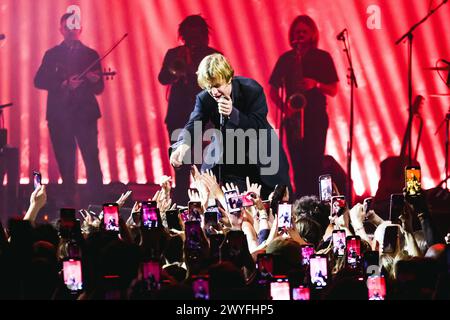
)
(224, 253)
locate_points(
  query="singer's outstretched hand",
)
(176, 158)
(225, 105)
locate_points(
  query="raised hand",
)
(229, 187)
(253, 187)
(123, 198)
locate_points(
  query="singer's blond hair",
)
(214, 70)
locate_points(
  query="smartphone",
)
(111, 217)
(211, 216)
(231, 249)
(376, 286)
(195, 211)
(280, 289)
(413, 181)
(319, 271)
(307, 251)
(301, 293)
(67, 218)
(325, 188)
(353, 244)
(338, 205)
(72, 274)
(371, 261)
(264, 263)
(150, 215)
(193, 231)
(367, 205)
(390, 240)
(284, 216)
(339, 242)
(200, 287)
(184, 215)
(37, 179)
(397, 205)
(247, 199)
(234, 202)
(173, 220)
(151, 273)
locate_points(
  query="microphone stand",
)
(353, 85)
(219, 165)
(447, 144)
(409, 35)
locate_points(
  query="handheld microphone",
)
(2, 36)
(340, 36)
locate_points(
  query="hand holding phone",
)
(307, 251)
(280, 289)
(353, 251)
(111, 217)
(396, 207)
(173, 220)
(391, 238)
(338, 206)
(211, 218)
(37, 179)
(284, 216)
(367, 205)
(195, 211)
(376, 286)
(339, 242)
(72, 274)
(200, 287)
(325, 188)
(319, 271)
(234, 202)
(150, 215)
(301, 293)
(413, 186)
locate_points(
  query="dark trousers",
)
(65, 137)
(307, 154)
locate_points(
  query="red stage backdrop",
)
(252, 33)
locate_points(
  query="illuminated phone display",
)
(279, 289)
(413, 181)
(325, 187)
(150, 215)
(377, 287)
(73, 275)
(111, 217)
(339, 242)
(319, 271)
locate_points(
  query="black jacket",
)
(249, 112)
(59, 64)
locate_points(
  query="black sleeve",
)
(278, 74)
(328, 73)
(198, 115)
(47, 76)
(256, 116)
(165, 77)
